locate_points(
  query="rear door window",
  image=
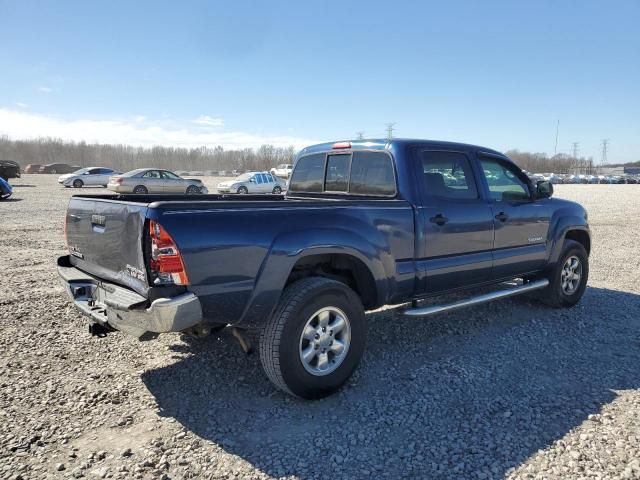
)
(448, 175)
(152, 174)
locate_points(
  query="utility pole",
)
(360, 135)
(575, 149)
(555, 149)
(390, 130)
(605, 145)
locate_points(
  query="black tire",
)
(243, 190)
(554, 295)
(192, 190)
(280, 339)
(277, 190)
(140, 190)
(78, 183)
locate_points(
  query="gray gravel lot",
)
(510, 389)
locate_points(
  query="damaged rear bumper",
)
(124, 309)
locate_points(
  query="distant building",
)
(632, 170)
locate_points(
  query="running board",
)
(484, 298)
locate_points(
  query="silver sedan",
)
(154, 180)
(92, 176)
(253, 182)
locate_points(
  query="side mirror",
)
(252, 180)
(544, 189)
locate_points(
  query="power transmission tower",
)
(390, 130)
(575, 149)
(360, 135)
(605, 145)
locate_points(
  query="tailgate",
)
(105, 239)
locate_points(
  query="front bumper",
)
(124, 309)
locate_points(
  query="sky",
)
(241, 73)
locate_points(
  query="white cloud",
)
(22, 105)
(209, 121)
(44, 89)
(19, 124)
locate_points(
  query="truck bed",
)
(230, 243)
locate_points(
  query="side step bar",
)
(484, 298)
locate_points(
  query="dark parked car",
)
(364, 224)
(32, 168)
(9, 169)
(58, 168)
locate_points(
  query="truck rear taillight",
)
(339, 145)
(166, 262)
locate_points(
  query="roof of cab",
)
(385, 144)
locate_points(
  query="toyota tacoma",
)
(364, 224)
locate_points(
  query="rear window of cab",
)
(355, 173)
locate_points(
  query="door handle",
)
(503, 217)
(439, 219)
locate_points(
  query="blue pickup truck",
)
(363, 224)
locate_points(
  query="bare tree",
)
(126, 157)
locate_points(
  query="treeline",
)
(125, 157)
(560, 163)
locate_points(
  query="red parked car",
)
(32, 168)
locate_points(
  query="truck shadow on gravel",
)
(469, 394)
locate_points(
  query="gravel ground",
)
(509, 389)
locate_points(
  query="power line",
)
(390, 130)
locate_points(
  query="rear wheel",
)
(140, 190)
(54, 171)
(78, 183)
(568, 278)
(315, 338)
(243, 190)
(192, 190)
(277, 190)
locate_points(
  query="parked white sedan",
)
(253, 182)
(92, 176)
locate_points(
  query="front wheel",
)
(568, 278)
(192, 190)
(315, 338)
(243, 190)
(277, 190)
(77, 184)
